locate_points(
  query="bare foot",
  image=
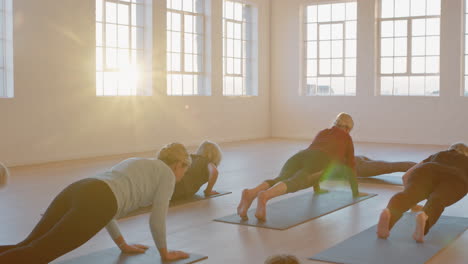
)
(384, 222)
(416, 208)
(244, 205)
(418, 234)
(261, 206)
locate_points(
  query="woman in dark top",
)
(442, 179)
(203, 170)
(331, 148)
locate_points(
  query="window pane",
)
(324, 32)
(323, 87)
(124, 37)
(337, 49)
(399, 65)
(351, 11)
(312, 50)
(337, 31)
(311, 67)
(337, 66)
(432, 64)
(386, 86)
(433, 7)
(400, 46)
(418, 7)
(402, 8)
(419, 46)
(324, 13)
(311, 31)
(189, 23)
(386, 47)
(401, 85)
(417, 84)
(418, 65)
(351, 30)
(432, 85)
(401, 28)
(312, 14)
(387, 8)
(325, 66)
(386, 65)
(419, 27)
(325, 51)
(433, 26)
(111, 12)
(351, 48)
(337, 86)
(350, 67)
(386, 29)
(338, 12)
(432, 45)
(123, 14)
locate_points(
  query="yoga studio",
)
(233, 131)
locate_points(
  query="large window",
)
(409, 47)
(123, 47)
(239, 49)
(185, 47)
(330, 49)
(6, 48)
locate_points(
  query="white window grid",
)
(330, 58)
(465, 90)
(6, 49)
(237, 49)
(404, 19)
(185, 47)
(121, 48)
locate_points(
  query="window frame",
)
(409, 52)
(201, 74)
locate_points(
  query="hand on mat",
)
(133, 249)
(175, 255)
(210, 193)
(361, 194)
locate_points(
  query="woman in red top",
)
(331, 148)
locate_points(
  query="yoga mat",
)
(383, 179)
(399, 247)
(114, 256)
(197, 197)
(296, 210)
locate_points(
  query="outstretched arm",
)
(212, 178)
(114, 232)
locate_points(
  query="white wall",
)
(438, 120)
(55, 114)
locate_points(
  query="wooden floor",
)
(190, 227)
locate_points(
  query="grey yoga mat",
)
(383, 179)
(296, 210)
(113, 256)
(366, 248)
(197, 197)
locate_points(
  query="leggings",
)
(74, 216)
(435, 183)
(300, 171)
(366, 167)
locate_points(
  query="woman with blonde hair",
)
(204, 169)
(442, 179)
(332, 147)
(85, 207)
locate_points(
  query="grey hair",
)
(211, 151)
(344, 121)
(174, 152)
(282, 259)
(4, 175)
(460, 148)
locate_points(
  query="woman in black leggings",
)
(442, 179)
(85, 207)
(331, 148)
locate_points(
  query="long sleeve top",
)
(338, 144)
(141, 182)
